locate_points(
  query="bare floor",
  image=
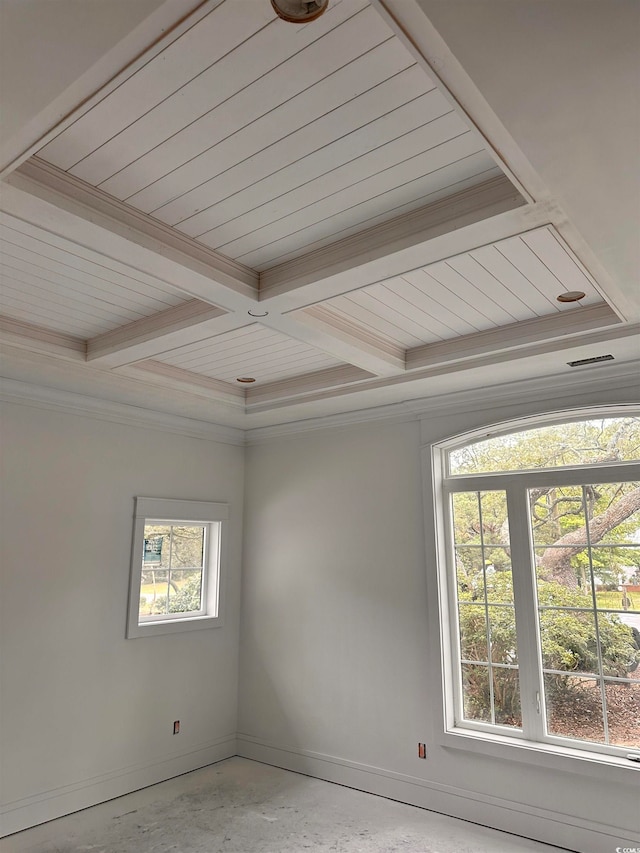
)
(241, 806)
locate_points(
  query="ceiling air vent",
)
(593, 360)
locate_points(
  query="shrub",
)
(568, 640)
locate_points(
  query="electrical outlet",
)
(176, 727)
(422, 750)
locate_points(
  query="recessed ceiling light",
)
(299, 11)
(570, 296)
(258, 313)
(245, 379)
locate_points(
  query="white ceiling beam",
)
(272, 392)
(613, 338)
(352, 349)
(177, 379)
(491, 211)
(167, 330)
(16, 333)
(514, 336)
(57, 202)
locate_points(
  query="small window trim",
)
(168, 511)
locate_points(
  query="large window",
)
(175, 566)
(540, 584)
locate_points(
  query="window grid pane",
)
(177, 585)
(573, 570)
(486, 615)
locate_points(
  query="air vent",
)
(593, 360)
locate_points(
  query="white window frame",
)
(212, 516)
(491, 739)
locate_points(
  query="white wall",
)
(340, 673)
(87, 714)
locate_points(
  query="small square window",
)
(175, 566)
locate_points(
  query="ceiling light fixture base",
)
(299, 11)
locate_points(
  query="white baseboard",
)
(30, 811)
(550, 827)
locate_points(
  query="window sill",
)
(172, 626)
(545, 755)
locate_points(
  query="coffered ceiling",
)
(274, 221)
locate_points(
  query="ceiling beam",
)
(51, 199)
(16, 333)
(167, 330)
(513, 336)
(474, 217)
(296, 385)
(177, 379)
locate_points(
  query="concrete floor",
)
(241, 806)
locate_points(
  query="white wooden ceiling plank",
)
(157, 188)
(234, 356)
(271, 369)
(20, 244)
(355, 158)
(414, 204)
(400, 174)
(551, 251)
(530, 265)
(389, 309)
(186, 153)
(429, 306)
(228, 344)
(468, 267)
(513, 279)
(54, 315)
(364, 124)
(242, 338)
(229, 371)
(38, 315)
(365, 311)
(88, 259)
(58, 292)
(485, 307)
(400, 298)
(335, 215)
(88, 283)
(211, 38)
(63, 289)
(262, 150)
(450, 300)
(242, 66)
(270, 352)
(267, 373)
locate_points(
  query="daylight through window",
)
(175, 571)
(543, 584)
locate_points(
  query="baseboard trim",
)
(48, 805)
(550, 827)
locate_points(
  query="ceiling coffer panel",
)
(254, 352)
(64, 287)
(497, 285)
(261, 139)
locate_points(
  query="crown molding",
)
(622, 380)
(41, 397)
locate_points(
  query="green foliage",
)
(578, 443)
(184, 599)
(568, 640)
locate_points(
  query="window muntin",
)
(175, 579)
(502, 674)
